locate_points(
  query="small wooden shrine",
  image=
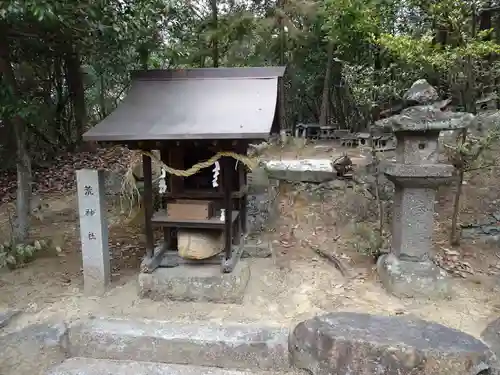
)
(189, 116)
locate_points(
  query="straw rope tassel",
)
(247, 161)
(130, 193)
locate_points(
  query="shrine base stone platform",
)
(196, 283)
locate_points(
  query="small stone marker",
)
(93, 230)
(352, 343)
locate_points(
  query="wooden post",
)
(242, 175)
(148, 205)
(167, 232)
(228, 205)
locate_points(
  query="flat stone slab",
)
(363, 344)
(86, 366)
(229, 346)
(196, 283)
(305, 170)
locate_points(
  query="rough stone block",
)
(196, 283)
(407, 279)
(198, 344)
(86, 366)
(113, 182)
(491, 336)
(6, 316)
(33, 349)
(421, 92)
(253, 248)
(306, 170)
(362, 344)
(262, 207)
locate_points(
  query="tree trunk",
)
(486, 23)
(24, 188)
(339, 96)
(325, 102)
(76, 89)
(497, 78)
(470, 106)
(215, 39)
(144, 54)
(470, 94)
(103, 112)
(485, 17)
(454, 235)
(282, 58)
(23, 163)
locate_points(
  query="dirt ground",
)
(295, 285)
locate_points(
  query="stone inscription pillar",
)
(93, 230)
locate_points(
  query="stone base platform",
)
(196, 283)
(413, 279)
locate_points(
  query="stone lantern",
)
(408, 270)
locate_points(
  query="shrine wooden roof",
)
(213, 103)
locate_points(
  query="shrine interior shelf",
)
(193, 194)
(160, 219)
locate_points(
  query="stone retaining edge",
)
(233, 346)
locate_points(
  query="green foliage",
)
(16, 255)
(349, 23)
(105, 38)
(425, 51)
(71, 60)
(380, 47)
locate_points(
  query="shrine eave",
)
(194, 104)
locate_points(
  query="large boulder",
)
(491, 336)
(363, 344)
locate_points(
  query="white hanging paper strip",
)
(215, 181)
(162, 184)
(222, 215)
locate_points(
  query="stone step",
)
(234, 346)
(89, 366)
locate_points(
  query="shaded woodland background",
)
(64, 66)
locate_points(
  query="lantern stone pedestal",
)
(408, 271)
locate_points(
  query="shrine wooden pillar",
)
(227, 186)
(168, 233)
(148, 204)
(242, 201)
